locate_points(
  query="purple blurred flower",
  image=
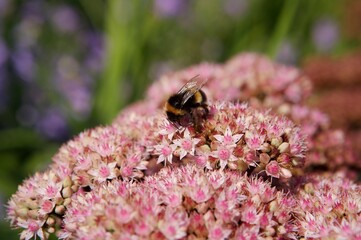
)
(235, 8)
(65, 19)
(53, 125)
(26, 33)
(3, 89)
(325, 34)
(287, 53)
(80, 100)
(73, 83)
(4, 7)
(95, 45)
(33, 8)
(3, 52)
(24, 64)
(169, 8)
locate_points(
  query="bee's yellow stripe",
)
(198, 97)
(170, 108)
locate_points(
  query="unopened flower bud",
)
(288, 131)
(281, 230)
(31, 204)
(285, 173)
(265, 147)
(60, 209)
(34, 214)
(67, 182)
(50, 221)
(75, 187)
(273, 206)
(270, 231)
(298, 162)
(67, 201)
(277, 141)
(284, 109)
(309, 188)
(58, 200)
(284, 147)
(284, 160)
(264, 158)
(22, 212)
(66, 192)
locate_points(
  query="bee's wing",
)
(190, 88)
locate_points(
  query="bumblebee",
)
(189, 105)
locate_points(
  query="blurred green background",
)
(70, 65)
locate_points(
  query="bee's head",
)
(175, 101)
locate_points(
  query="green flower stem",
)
(108, 99)
(285, 20)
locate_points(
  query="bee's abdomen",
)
(172, 110)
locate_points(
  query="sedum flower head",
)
(190, 203)
(264, 84)
(329, 207)
(234, 136)
(240, 177)
(178, 203)
(40, 203)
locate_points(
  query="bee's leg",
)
(185, 120)
(198, 115)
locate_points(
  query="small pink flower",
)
(273, 169)
(104, 148)
(217, 179)
(103, 171)
(32, 229)
(200, 194)
(174, 199)
(228, 138)
(186, 144)
(201, 160)
(143, 228)
(84, 162)
(175, 223)
(254, 140)
(165, 152)
(124, 214)
(218, 232)
(46, 207)
(168, 129)
(224, 155)
(249, 215)
(51, 190)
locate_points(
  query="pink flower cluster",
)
(179, 203)
(263, 84)
(234, 137)
(243, 176)
(40, 203)
(189, 203)
(329, 207)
